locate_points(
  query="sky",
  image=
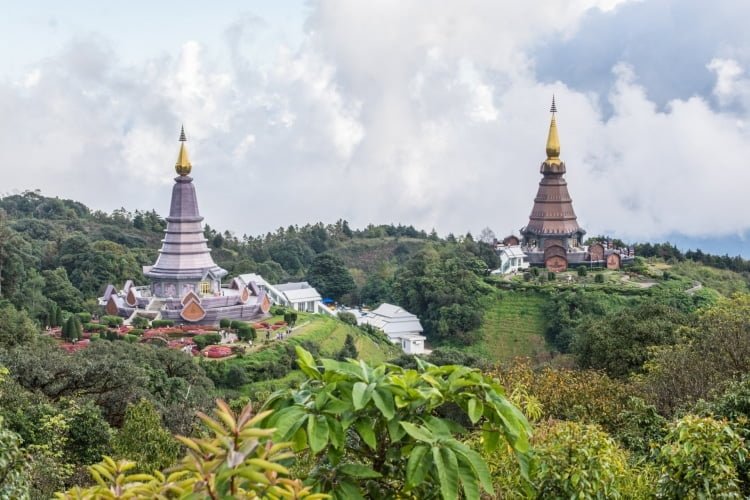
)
(433, 114)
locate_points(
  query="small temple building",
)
(553, 238)
(185, 282)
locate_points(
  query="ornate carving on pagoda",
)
(130, 298)
(190, 295)
(192, 311)
(613, 261)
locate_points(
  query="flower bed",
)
(217, 351)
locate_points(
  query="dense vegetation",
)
(634, 384)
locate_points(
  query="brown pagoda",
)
(553, 233)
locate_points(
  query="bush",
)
(206, 339)
(140, 322)
(130, 338)
(527, 276)
(699, 460)
(535, 271)
(348, 318)
(224, 323)
(599, 278)
(579, 461)
(551, 276)
(84, 317)
(278, 310)
(582, 271)
(234, 324)
(290, 317)
(111, 321)
(246, 332)
(161, 323)
(94, 327)
(136, 331)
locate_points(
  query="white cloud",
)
(387, 112)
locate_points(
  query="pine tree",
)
(349, 350)
(72, 329)
(58, 316)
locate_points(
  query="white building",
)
(512, 259)
(300, 296)
(401, 327)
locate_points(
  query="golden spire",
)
(183, 165)
(553, 141)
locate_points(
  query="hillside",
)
(271, 364)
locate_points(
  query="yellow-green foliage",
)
(237, 460)
(570, 460)
(700, 459)
(585, 395)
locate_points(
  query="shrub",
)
(140, 322)
(136, 331)
(348, 318)
(161, 323)
(84, 317)
(582, 271)
(94, 327)
(699, 459)
(599, 278)
(527, 276)
(576, 460)
(224, 323)
(130, 338)
(535, 271)
(551, 276)
(206, 339)
(111, 321)
(246, 332)
(278, 310)
(234, 324)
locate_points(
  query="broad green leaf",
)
(476, 462)
(476, 408)
(417, 432)
(395, 430)
(287, 421)
(360, 395)
(336, 432)
(384, 402)
(447, 470)
(359, 471)
(317, 432)
(342, 367)
(347, 490)
(366, 432)
(468, 480)
(417, 466)
(299, 440)
(306, 363)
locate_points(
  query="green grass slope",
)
(512, 326)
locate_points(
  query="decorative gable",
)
(190, 296)
(193, 312)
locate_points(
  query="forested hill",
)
(59, 251)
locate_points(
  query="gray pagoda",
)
(185, 281)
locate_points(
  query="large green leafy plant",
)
(388, 431)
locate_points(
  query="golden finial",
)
(183, 165)
(553, 141)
